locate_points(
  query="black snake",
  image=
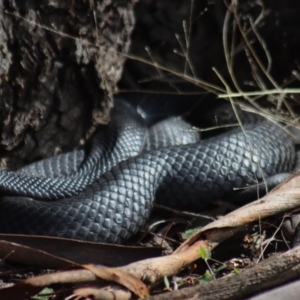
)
(107, 196)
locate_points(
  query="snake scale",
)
(107, 195)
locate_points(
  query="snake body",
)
(106, 203)
(106, 151)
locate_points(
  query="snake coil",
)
(108, 196)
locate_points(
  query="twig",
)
(261, 93)
(267, 274)
(183, 213)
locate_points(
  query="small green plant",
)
(211, 273)
(206, 255)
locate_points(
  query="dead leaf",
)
(58, 253)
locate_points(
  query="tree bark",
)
(59, 65)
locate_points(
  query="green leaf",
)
(217, 270)
(166, 282)
(204, 280)
(203, 253)
(236, 270)
(190, 232)
(206, 277)
(43, 295)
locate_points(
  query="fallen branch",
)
(269, 273)
(284, 198)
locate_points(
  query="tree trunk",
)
(59, 65)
